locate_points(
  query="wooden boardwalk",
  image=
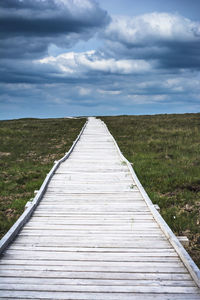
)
(95, 236)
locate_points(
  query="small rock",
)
(188, 207)
(5, 154)
(186, 232)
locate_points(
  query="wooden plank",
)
(141, 257)
(92, 274)
(96, 266)
(109, 225)
(71, 220)
(92, 196)
(109, 163)
(65, 241)
(59, 220)
(136, 236)
(115, 177)
(114, 230)
(133, 258)
(100, 288)
(60, 243)
(96, 204)
(136, 251)
(125, 226)
(85, 208)
(93, 214)
(91, 188)
(78, 196)
(95, 195)
(120, 215)
(173, 260)
(84, 217)
(91, 296)
(82, 281)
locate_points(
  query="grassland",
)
(28, 148)
(165, 152)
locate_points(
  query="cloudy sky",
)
(85, 57)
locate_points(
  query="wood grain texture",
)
(93, 236)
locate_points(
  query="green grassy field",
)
(165, 152)
(28, 148)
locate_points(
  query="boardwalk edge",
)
(17, 226)
(183, 254)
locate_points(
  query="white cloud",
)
(168, 41)
(77, 63)
(78, 6)
(181, 84)
(150, 27)
(144, 99)
(168, 83)
(84, 91)
(108, 92)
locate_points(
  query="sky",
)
(62, 58)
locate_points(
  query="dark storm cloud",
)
(43, 18)
(171, 40)
(29, 27)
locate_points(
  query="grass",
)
(165, 152)
(28, 148)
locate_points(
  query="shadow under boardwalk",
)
(93, 236)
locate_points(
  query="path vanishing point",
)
(92, 233)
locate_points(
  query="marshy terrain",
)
(165, 152)
(28, 148)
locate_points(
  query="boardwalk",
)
(93, 236)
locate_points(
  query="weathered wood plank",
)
(39, 272)
(94, 225)
(100, 234)
(137, 251)
(91, 296)
(133, 259)
(87, 218)
(100, 288)
(85, 208)
(82, 281)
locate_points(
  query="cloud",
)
(29, 27)
(146, 61)
(144, 99)
(171, 40)
(83, 91)
(109, 92)
(146, 29)
(75, 64)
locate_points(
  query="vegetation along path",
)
(164, 151)
(94, 234)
